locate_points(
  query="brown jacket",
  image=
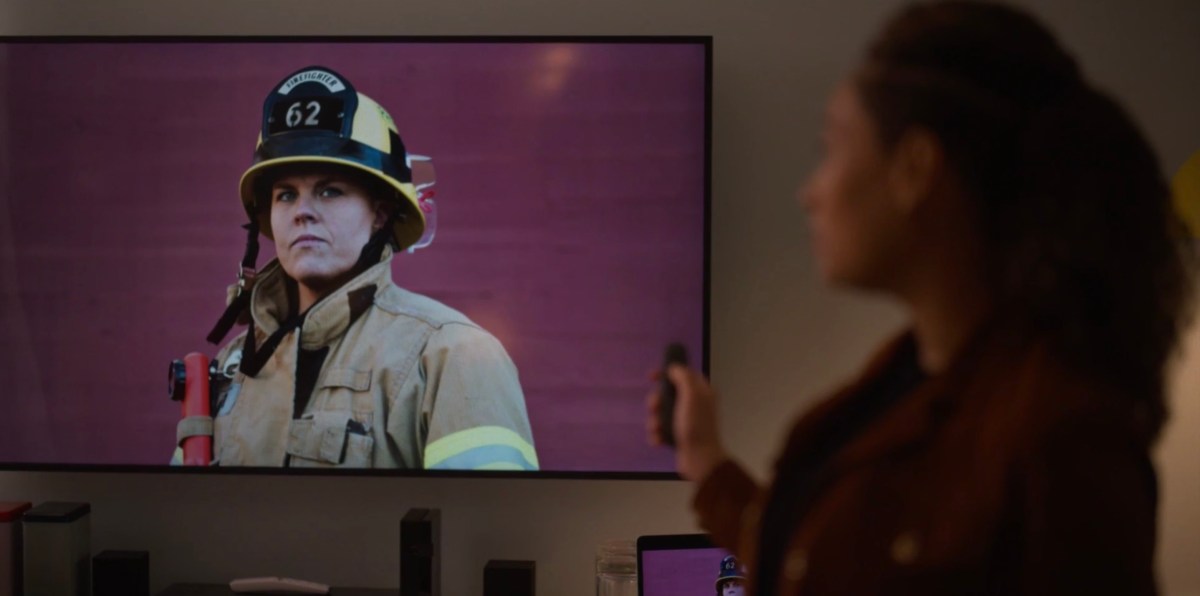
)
(1007, 474)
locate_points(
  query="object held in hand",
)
(675, 354)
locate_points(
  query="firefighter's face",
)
(321, 221)
(733, 587)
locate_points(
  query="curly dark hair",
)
(1076, 218)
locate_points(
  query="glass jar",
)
(616, 568)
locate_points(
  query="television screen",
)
(470, 252)
(691, 572)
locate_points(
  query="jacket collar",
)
(329, 318)
(916, 415)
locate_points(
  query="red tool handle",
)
(197, 450)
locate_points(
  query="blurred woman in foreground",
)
(1002, 443)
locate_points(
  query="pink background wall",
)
(690, 572)
(570, 195)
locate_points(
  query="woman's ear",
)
(916, 163)
(382, 210)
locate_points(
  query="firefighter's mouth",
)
(307, 240)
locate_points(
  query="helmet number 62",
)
(295, 114)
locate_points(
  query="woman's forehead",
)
(291, 174)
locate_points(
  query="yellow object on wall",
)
(1186, 189)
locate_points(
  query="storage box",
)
(58, 551)
(10, 547)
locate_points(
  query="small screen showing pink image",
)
(691, 572)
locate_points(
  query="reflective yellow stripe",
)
(478, 458)
(472, 438)
(501, 466)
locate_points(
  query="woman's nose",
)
(306, 206)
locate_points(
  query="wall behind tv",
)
(779, 338)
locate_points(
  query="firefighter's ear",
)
(382, 211)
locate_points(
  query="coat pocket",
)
(330, 439)
(225, 446)
(345, 390)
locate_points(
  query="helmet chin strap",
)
(373, 250)
(245, 283)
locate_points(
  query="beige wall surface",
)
(778, 337)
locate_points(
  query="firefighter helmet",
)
(315, 116)
(730, 571)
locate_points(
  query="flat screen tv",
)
(470, 252)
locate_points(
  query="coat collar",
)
(329, 318)
(917, 414)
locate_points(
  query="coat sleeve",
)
(728, 503)
(472, 406)
(1089, 500)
